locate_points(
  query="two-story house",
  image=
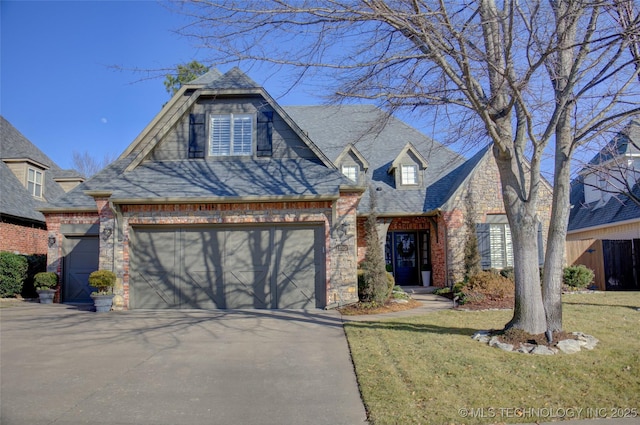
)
(604, 223)
(229, 200)
(28, 179)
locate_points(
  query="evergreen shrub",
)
(13, 272)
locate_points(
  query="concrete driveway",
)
(63, 365)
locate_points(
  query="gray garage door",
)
(81, 258)
(219, 267)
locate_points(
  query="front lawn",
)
(428, 370)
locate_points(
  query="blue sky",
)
(58, 86)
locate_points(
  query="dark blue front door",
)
(405, 247)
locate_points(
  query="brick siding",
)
(23, 239)
(340, 245)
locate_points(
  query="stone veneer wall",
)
(486, 198)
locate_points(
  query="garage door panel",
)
(203, 289)
(154, 289)
(248, 288)
(154, 269)
(202, 256)
(299, 267)
(218, 267)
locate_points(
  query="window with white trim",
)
(409, 174)
(350, 171)
(34, 182)
(231, 134)
(501, 246)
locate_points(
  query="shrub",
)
(103, 280)
(37, 264)
(45, 280)
(508, 273)
(577, 276)
(399, 294)
(13, 272)
(490, 285)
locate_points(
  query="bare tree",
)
(527, 73)
(86, 165)
(628, 16)
(615, 170)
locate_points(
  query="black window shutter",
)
(197, 135)
(265, 134)
(484, 245)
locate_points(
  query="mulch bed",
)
(388, 307)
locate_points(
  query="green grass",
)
(428, 370)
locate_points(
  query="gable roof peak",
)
(408, 148)
(233, 79)
(205, 79)
(351, 148)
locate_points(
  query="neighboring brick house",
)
(28, 179)
(228, 200)
(604, 224)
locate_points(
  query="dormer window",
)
(352, 164)
(408, 168)
(351, 171)
(409, 174)
(34, 182)
(231, 134)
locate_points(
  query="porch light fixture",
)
(343, 229)
(52, 241)
(106, 233)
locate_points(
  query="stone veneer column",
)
(108, 238)
(54, 249)
(343, 258)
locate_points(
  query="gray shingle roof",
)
(232, 79)
(380, 138)
(627, 142)
(208, 78)
(14, 199)
(191, 180)
(618, 208)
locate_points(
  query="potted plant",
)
(45, 282)
(103, 281)
(426, 274)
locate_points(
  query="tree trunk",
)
(528, 314)
(556, 240)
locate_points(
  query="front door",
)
(405, 250)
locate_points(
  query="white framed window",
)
(409, 174)
(34, 182)
(351, 171)
(231, 134)
(501, 246)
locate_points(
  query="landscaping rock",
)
(495, 342)
(569, 346)
(482, 336)
(526, 348)
(566, 346)
(586, 341)
(399, 301)
(543, 350)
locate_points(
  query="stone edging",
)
(566, 346)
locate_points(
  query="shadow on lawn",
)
(412, 327)
(632, 307)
